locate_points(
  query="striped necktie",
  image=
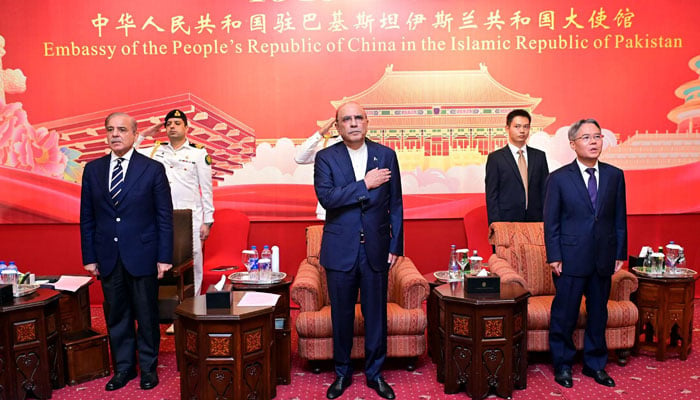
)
(117, 182)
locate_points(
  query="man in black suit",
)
(358, 182)
(515, 175)
(126, 231)
(585, 233)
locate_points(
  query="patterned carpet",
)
(642, 378)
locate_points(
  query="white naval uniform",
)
(306, 154)
(190, 179)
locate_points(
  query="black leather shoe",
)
(563, 377)
(600, 376)
(119, 380)
(149, 380)
(382, 388)
(338, 387)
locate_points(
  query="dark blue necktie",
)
(592, 186)
(117, 182)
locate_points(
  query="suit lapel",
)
(581, 188)
(531, 161)
(604, 179)
(372, 156)
(137, 166)
(510, 160)
(343, 162)
(104, 175)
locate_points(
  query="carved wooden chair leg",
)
(623, 356)
(316, 366)
(411, 363)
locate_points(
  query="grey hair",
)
(134, 124)
(573, 130)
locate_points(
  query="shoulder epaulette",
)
(196, 145)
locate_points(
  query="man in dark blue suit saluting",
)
(585, 229)
(126, 230)
(358, 182)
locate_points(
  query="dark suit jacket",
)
(505, 194)
(584, 240)
(139, 230)
(351, 208)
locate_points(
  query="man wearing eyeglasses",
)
(515, 175)
(585, 230)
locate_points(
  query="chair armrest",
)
(182, 277)
(624, 283)
(409, 288)
(306, 288)
(502, 268)
(183, 268)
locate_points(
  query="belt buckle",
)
(362, 237)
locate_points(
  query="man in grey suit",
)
(515, 175)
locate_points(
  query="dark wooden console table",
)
(282, 352)
(665, 323)
(30, 346)
(484, 337)
(224, 353)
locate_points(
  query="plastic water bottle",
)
(647, 262)
(11, 275)
(265, 264)
(453, 272)
(254, 272)
(3, 267)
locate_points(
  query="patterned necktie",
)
(522, 167)
(117, 182)
(592, 186)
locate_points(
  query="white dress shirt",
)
(359, 161)
(586, 175)
(514, 150)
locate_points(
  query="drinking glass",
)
(247, 257)
(476, 264)
(657, 263)
(672, 253)
(463, 259)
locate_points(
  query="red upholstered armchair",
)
(476, 227)
(520, 257)
(228, 237)
(406, 320)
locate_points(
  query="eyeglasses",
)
(587, 138)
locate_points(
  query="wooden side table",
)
(484, 338)
(74, 306)
(666, 309)
(30, 346)
(282, 353)
(432, 310)
(224, 353)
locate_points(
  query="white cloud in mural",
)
(272, 165)
(275, 165)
